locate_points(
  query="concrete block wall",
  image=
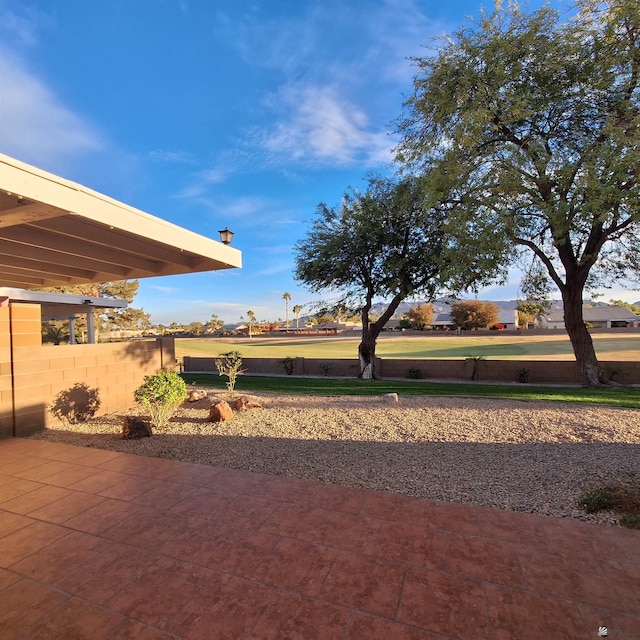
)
(537, 371)
(34, 379)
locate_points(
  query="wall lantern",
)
(225, 236)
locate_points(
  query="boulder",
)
(243, 403)
(134, 428)
(220, 412)
(390, 398)
(196, 394)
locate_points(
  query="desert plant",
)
(477, 361)
(325, 366)
(523, 375)
(230, 364)
(414, 373)
(288, 364)
(160, 394)
(600, 499)
(55, 334)
(621, 496)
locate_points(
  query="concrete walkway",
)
(96, 544)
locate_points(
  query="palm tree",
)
(297, 309)
(252, 319)
(286, 297)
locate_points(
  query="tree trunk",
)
(367, 353)
(591, 374)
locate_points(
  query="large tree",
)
(528, 125)
(420, 316)
(474, 314)
(386, 243)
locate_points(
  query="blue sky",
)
(217, 113)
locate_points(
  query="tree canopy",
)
(386, 243)
(420, 316)
(474, 314)
(527, 126)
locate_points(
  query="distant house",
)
(443, 321)
(508, 318)
(609, 317)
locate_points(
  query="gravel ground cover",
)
(536, 457)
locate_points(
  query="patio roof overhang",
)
(54, 232)
(59, 306)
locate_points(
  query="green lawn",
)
(616, 396)
(554, 347)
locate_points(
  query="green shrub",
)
(161, 394)
(622, 496)
(230, 364)
(288, 363)
(414, 373)
(600, 499)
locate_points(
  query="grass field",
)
(613, 347)
(614, 396)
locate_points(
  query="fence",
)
(534, 371)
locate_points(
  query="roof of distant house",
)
(595, 314)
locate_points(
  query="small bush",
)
(288, 364)
(325, 366)
(414, 373)
(477, 361)
(622, 496)
(523, 375)
(600, 499)
(230, 364)
(161, 394)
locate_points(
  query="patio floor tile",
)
(483, 559)
(365, 583)
(24, 603)
(446, 604)
(109, 545)
(105, 574)
(227, 607)
(297, 618)
(57, 559)
(159, 591)
(36, 499)
(66, 507)
(77, 619)
(27, 540)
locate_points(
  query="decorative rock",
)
(220, 412)
(134, 428)
(197, 394)
(246, 402)
(390, 398)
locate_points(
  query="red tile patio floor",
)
(96, 544)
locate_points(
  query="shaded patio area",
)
(98, 544)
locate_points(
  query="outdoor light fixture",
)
(225, 236)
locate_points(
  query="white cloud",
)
(161, 289)
(342, 68)
(322, 127)
(36, 126)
